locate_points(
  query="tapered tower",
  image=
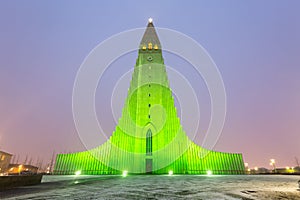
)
(149, 137)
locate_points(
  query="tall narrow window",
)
(149, 143)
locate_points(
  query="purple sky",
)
(255, 45)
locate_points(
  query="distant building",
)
(4, 161)
(263, 170)
(297, 169)
(22, 169)
(257, 170)
(288, 170)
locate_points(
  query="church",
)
(149, 138)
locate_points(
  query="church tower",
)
(149, 137)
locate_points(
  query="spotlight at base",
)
(77, 173)
(209, 172)
(170, 173)
(124, 174)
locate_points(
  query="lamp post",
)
(272, 163)
(246, 167)
(20, 168)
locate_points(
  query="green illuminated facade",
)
(149, 137)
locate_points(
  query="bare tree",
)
(51, 163)
(297, 162)
(30, 161)
(25, 161)
(13, 159)
(17, 162)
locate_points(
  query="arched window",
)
(149, 142)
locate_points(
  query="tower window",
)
(150, 45)
(149, 95)
(149, 105)
(149, 116)
(149, 142)
(149, 85)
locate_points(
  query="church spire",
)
(150, 39)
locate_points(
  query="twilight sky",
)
(255, 45)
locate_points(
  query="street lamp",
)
(20, 168)
(272, 163)
(246, 166)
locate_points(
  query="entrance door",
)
(149, 151)
(149, 166)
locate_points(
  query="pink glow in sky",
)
(255, 44)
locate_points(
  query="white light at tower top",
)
(150, 20)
